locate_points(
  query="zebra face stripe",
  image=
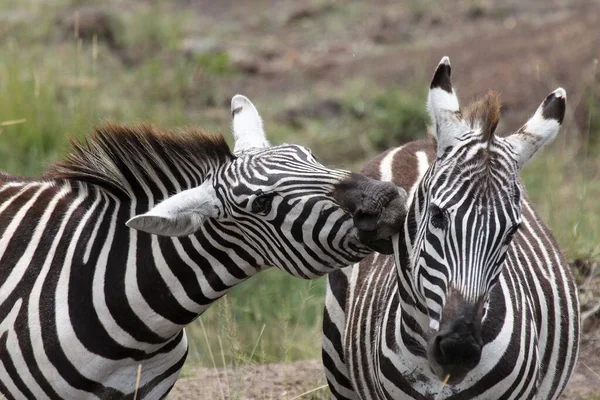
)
(280, 199)
(468, 209)
(472, 209)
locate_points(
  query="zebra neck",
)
(413, 320)
(157, 285)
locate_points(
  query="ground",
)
(300, 379)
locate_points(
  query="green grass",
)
(53, 89)
(392, 116)
(565, 188)
(38, 110)
(273, 317)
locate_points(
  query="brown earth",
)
(288, 381)
(524, 49)
(313, 48)
(254, 382)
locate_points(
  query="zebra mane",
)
(484, 113)
(129, 158)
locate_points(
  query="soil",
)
(298, 49)
(524, 49)
(287, 381)
(253, 382)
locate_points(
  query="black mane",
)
(126, 158)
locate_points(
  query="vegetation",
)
(51, 89)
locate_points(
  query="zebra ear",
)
(443, 107)
(541, 128)
(181, 214)
(247, 125)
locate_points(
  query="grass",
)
(393, 116)
(52, 89)
(565, 188)
(289, 331)
(30, 94)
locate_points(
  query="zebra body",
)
(70, 338)
(504, 297)
(86, 302)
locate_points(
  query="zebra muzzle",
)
(455, 349)
(378, 209)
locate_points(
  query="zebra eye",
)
(437, 217)
(262, 203)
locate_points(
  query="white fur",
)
(440, 100)
(385, 168)
(181, 214)
(247, 125)
(537, 132)
(447, 126)
(442, 107)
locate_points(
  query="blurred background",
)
(346, 78)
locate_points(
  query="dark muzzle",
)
(456, 348)
(378, 209)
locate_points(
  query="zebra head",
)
(282, 207)
(470, 209)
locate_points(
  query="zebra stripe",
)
(85, 300)
(478, 289)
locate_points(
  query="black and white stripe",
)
(478, 291)
(86, 300)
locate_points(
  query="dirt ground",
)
(253, 382)
(524, 49)
(288, 381)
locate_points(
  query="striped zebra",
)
(478, 293)
(85, 300)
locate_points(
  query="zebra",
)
(477, 301)
(107, 257)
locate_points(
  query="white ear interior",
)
(247, 124)
(443, 107)
(541, 129)
(181, 214)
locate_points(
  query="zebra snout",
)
(455, 350)
(377, 208)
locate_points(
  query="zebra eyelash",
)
(437, 217)
(262, 203)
